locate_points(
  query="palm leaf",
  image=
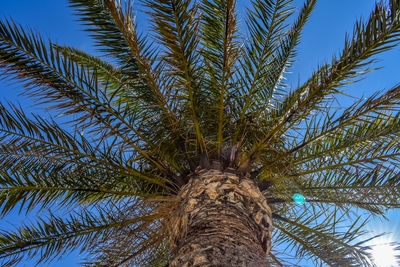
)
(57, 236)
(188, 97)
(266, 26)
(47, 140)
(131, 95)
(26, 55)
(378, 34)
(316, 236)
(101, 26)
(286, 51)
(220, 51)
(375, 191)
(25, 190)
(354, 116)
(151, 72)
(176, 25)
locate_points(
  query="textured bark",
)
(220, 220)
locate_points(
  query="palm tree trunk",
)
(221, 219)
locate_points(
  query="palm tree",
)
(186, 147)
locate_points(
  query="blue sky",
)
(324, 36)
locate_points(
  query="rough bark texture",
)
(221, 220)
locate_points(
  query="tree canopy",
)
(195, 91)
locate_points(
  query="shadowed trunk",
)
(221, 220)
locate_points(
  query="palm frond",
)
(378, 34)
(314, 235)
(114, 79)
(41, 187)
(363, 127)
(375, 191)
(359, 113)
(23, 138)
(266, 26)
(362, 146)
(131, 95)
(176, 24)
(101, 26)
(328, 146)
(149, 248)
(52, 78)
(112, 40)
(285, 53)
(57, 236)
(151, 72)
(220, 50)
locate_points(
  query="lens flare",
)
(384, 247)
(384, 255)
(298, 198)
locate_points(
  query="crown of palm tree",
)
(195, 94)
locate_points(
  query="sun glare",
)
(384, 242)
(384, 255)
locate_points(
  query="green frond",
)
(266, 25)
(113, 79)
(51, 77)
(371, 143)
(375, 191)
(375, 199)
(220, 50)
(152, 73)
(130, 95)
(25, 140)
(330, 144)
(317, 236)
(149, 248)
(41, 187)
(176, 25)
(360, 113)
(363, 127)
(378, 34)
(285, 53)
(194, 94)
(101, 26)
(57, 236)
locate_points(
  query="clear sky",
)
(324, 36)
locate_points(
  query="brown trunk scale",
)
(221, 219)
